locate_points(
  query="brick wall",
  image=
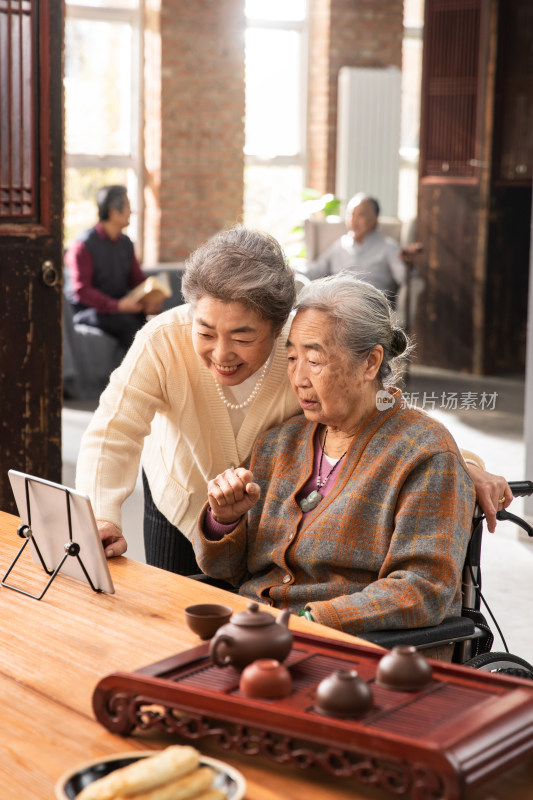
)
(194, 107)
(195, 160)
(355, 33)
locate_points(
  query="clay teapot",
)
(250, 635)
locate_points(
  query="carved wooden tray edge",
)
(506, 737)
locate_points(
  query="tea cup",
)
(266, 678)
(205, 619)
(404, 669)
(343, 694)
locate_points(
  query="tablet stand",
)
(72, 549)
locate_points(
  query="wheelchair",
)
(470, 633)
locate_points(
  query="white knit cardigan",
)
(162, 402)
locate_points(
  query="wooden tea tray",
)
(466, 727)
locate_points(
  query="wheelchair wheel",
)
(502, 663)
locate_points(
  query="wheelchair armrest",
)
(450, 630)
(217, 582)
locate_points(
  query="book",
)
(155, 288)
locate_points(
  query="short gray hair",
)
(240, 265)
(361, 315)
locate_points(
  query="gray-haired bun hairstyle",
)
(399, 341)
(362, 319)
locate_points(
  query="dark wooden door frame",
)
(473, 218)
(31, 241)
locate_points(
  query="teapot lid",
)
(252, 617)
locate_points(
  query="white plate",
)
(72, 782)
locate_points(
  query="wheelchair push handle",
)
(521, 488)
(503, 515)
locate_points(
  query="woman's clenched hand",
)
(232, 494)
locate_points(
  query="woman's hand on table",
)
(232, 494)
(492, 493)
(112, 539)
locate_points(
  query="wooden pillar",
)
(194, 123)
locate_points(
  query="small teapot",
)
(250, 635)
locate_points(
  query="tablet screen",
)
(57, 515)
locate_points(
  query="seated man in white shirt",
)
(364, 251)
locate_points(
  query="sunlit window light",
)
(281, 10)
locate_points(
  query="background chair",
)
(89, 354)
(89, 357)
(321, 234)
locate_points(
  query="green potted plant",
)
(314, 205)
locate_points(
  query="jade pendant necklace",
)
(314, 498)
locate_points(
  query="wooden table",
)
(54, 651)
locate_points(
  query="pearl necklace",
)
(314, 498)
(235, 406)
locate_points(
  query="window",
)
(102, 102)
(276, 58)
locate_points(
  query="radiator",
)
(368, 135)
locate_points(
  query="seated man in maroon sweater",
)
(104, 269)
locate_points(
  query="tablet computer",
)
(56, 515)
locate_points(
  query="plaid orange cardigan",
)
(384, 549)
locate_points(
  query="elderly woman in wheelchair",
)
(358, 512)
